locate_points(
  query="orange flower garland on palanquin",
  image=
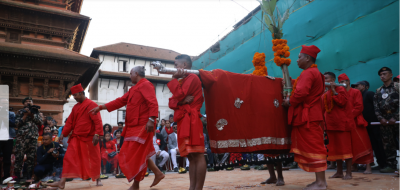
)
(327, 109)
(281, 50)
(259, 64)
(295, 82)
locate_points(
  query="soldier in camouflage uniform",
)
(26, 139)
(386, 105)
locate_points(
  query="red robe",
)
(82, 159)
(190, 127)
(304, 115)
(141, 103)
(338, 124)
(361, 144)
(107, 149)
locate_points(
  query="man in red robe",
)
(142, 110)
(186, 101)
(82, 159)
(361, 144)
(337, 111)
(305, 115)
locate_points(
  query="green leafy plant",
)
(274, 21)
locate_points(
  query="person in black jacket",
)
(159, 146)
(374, 132)
(49, 154)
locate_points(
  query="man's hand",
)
(333, 87)
(392, 121)
(188, 100)
(95, 140)
(56, 155)
(50, 151)
(60, 139)
(286, 102)
(150, 126)
(177, 151)
(205, 150)
(94, 111)
(158, 153)
(180, 73)
(384, 122)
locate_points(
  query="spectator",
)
(40, 128)
(210, 155)
(386, 105)
(55, 135)
(173, 148)
(374, 132)
(118, 140)
(49, 155)
(50, 122)
(46, 129)
(27, 123)
(162, 124)
(159, 146)
(109, 153)
(167, 131)
(396, 79)
(107, 128)
(120, 127)
(171, 118)
(61, 128)
(7, 134)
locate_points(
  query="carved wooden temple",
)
(40, 41)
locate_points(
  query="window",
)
(13, 37)
(122, 67)
(121, 115)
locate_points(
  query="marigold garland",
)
(281, 50)
(259, 64)
(295, 82)
(327, 109)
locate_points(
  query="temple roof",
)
(44, 9)
(46, 52)
(135, 50)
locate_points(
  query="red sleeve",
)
(118, 103)
(149, 95)
(358, 105)
(68, 125)
(113, 146)
(302, 90)
(98, 124)
(180, 91)
(341, 98)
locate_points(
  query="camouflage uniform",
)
(26, 142)
(387, 108)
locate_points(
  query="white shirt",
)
(4, 134)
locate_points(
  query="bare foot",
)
(135, 186)
(269, 181)
(280, 182)
(157, 179)
(316, 186)
(57, 184)
(336, 175)
(311, 184)
(367, 172)
(347, 177)
(98, 182)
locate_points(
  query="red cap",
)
(76, 89)
(342, 77)
(398, 76)
(311, 50)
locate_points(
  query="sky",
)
(185, 26)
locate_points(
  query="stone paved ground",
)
(237, 179)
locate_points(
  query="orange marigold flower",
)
(282, 60)
(286, 48)
(277, 59)
(287, 54)
(287, 61)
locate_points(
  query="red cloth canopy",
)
(260, 124)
